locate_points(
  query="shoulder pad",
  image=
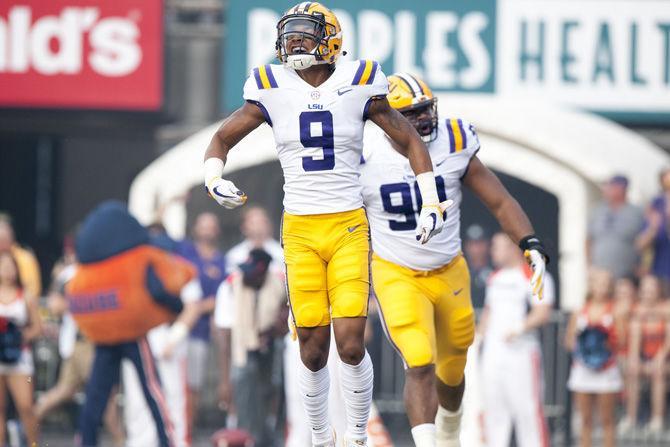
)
(264, 77)
(365, 74)
(462, 135)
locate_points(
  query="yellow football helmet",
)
(309, 21)
(414, 99)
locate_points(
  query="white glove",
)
(431, 220)
(226, 193)
(223, 191)
(537, 263)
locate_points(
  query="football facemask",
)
(308, 34)
(423, 117)
(299, 39)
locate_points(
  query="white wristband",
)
(213, 169)
(426, 182)
(178, 332)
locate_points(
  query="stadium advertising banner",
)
(81, 54)
(608, 56)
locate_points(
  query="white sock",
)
(424, 435)
(356, 383)
(448, 423)
(314, 390)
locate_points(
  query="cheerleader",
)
(595, 378)
(649, 345)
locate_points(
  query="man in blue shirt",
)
(203, 251)
(656, 234)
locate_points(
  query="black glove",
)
(532, 242)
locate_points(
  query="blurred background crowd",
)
(619, 339)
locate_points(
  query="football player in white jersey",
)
(317, 110)
(424, 290)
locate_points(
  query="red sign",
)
(101, 54)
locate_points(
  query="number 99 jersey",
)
(318, 131)
(393, 201)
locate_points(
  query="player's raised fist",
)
(226, 193)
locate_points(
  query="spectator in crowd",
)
(29, 269)
(476, 250)
(251, 313)
(625, 300)
(656, 233)
(595, 379)
(19, 325)
(203, 252)
(76, 354)
(257, 231)
(511, 359)
(649, 345)
(613, 227)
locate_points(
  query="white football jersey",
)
(392, 197)
(318, 131)
(509, 298)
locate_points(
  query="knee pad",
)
(451, 367)
(311, 315)
(450, 370)
(350, 299)
(414, 345)
(462, 324)
(351, 306)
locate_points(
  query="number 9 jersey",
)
(318, 131)
(393, 201)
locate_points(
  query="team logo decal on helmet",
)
(308, 34)
(413, 98)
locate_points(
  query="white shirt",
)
(67, 336)
(225, 308)
(508, 300)
(392, 198)
(318, 131)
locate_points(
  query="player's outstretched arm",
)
(409, 143)
(237, 126)
(488, 188)
(511, 217)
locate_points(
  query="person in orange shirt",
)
(29, 268)
(123, 287)
(649, 345)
